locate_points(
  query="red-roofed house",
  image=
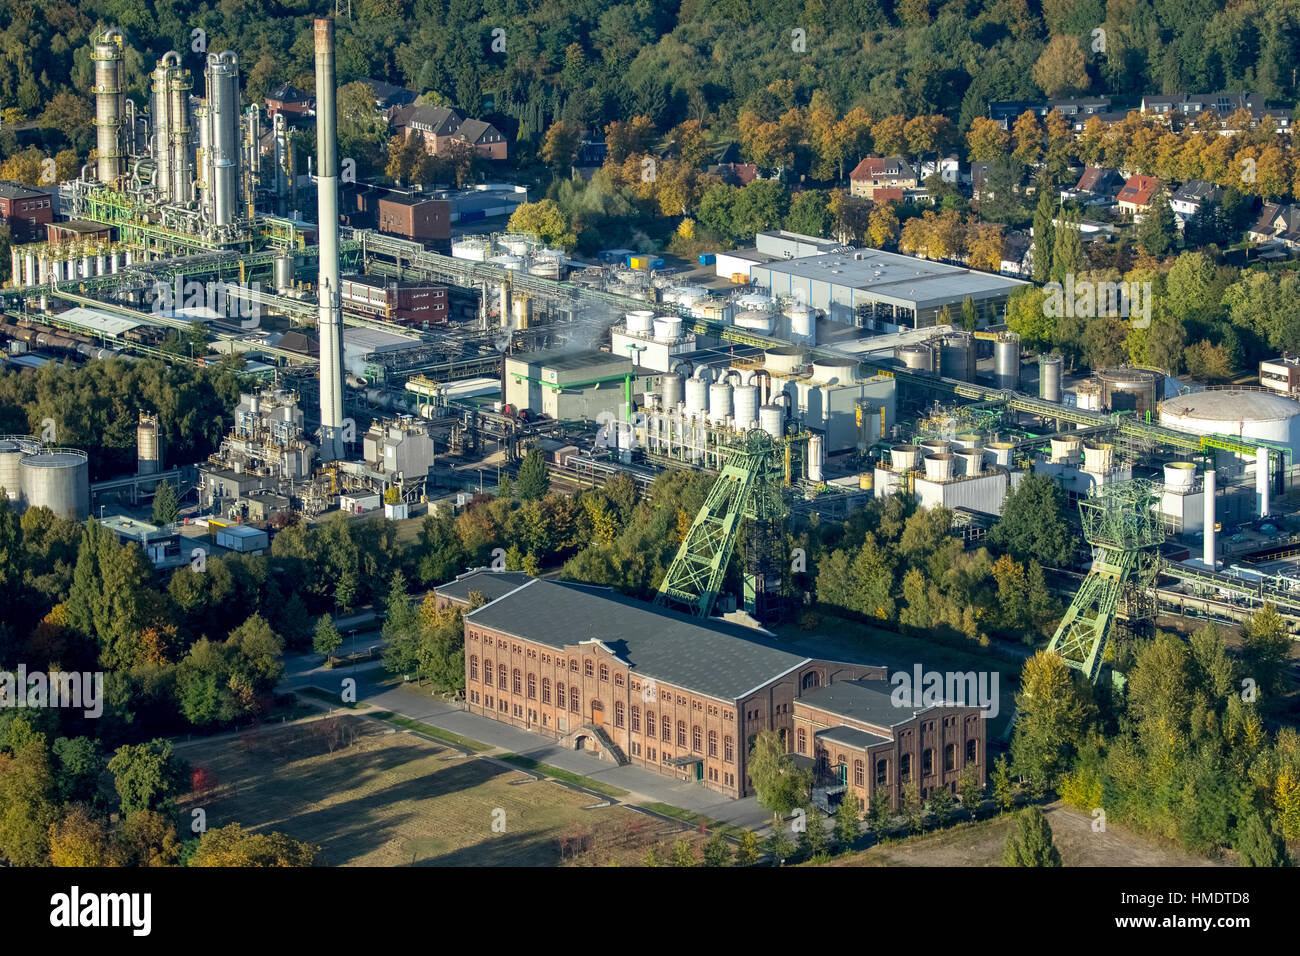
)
(1137, 194)
(881, 172)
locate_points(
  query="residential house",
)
(949, 169)
(1099, 185)
(286, 98)
(1016, 257)
(1277, 223)
(25, 210)
(1186, 107)
(1136, 196)
(734, 174)
(1188, 199)
(388, 96)
(1076, 111)
(881, 172)
(441, 126)
(485, 138)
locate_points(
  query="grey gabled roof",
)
(491, 584)
(718, 660)
(852, 737)
(866, 700)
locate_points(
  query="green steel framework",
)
(1119, 520)
(749, 487)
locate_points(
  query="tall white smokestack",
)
(1209, 517)
(327, 199)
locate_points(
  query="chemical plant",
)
(812, 387)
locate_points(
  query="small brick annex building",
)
(686, 698)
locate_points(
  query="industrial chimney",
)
(327, 199)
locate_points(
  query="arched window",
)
(589, 669)
(811, 679)
(859, 774)
(546, 690)
(972, 750)
(487, 672)
(501, 676)
(573, 664)
(713, 743)
(559, 695)
(697, 739)
(728, 749)
(636, 720)
(573, 699)
(650, 723)
(882, 772)
(532, 686)
(905, 768)
(618, 680)
(927, 762)
(618, 713)
(681, 733)
(604, 672)
(667, 731)
(801, 741)
(473, 667)
(950, 757)
(516, 685)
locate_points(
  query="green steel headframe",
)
(1118, 519)
(749, 486)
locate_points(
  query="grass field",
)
(374, 797)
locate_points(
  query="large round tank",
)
(904, 457)
(12, 451)
(1049, 378)
(697, 397)
(719, 402)
(957, 356)
(1130, 390)
(515, 245)
(473, 249)
(1006, 360)
(784, 359)
(668, 328)
(940, 467)
(935, 446)
(671, 391)
(148, 458)
(833, 371)
(1098, 457)
(1180, 475)
(1237, 412)
(754, 321)
(803, 323)
(638, 322)
(1000, 452)
(687, 295)
(917, 357)
(746, 401)
(513, 263)
(58, 479)
(771, 418)
(754, 301)
(283, 273)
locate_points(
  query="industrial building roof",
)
(376, 340)
(491, 584)
(852, 737)
(10, 190)
(891, 277)
(1231, 405)
(720, 660)
(866, 700)
(104, 322)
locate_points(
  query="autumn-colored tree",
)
(890, 135)
(560, 147)
(1061, 70)
(625, 137)
(1028, 136)
(80, 838)
(986, 140)
(882, 227)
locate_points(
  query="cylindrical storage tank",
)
(513, 263)
(146, 443)
(1087, 395)
(1006, 360)
(475, 250)
(756, 302)
(746, 401)
(1064, 448)
(283, 273)
(771, 418)
(957, 356)
(719, 402)
(34, 275)
(697, 397)
(835, 371)
(1130, 390)
(970, 441)
(224, 192)
(522, 308)
(935, 446)
(919, 358)
(940, 467)
(1049, 377)
(904, 457)
(1179, 475)
(1098, 457)
(972, 460)
(639, 322)
(803, 324)
(668, 328)
(1000, 452)
(866, 480)
(516, 245)
(815, 458)
(58, 479)
(11, 453)
(783, 360)
(1260, 416)
(671, 390)
(754, 321)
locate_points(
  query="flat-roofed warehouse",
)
(572, 385)
(881, 290)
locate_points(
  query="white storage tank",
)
(771, 418)
(904, 457)
(1006, 360)
(833, 371)
(719, 402)
(697, 397)
(754, 321)
(473, 249)
(1049, 378)
(13, 449)
(671, 391)
(746, 401)
(1180, 475)
(803, 325)
(58, 479)
(940, 467)
(815, 458)
(1258, 416)
(516, 245)
(783, 360)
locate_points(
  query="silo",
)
(1129, 390)
(719, 402)
(917, 357)
(746, 400)
(11, 453)
(58, 479)
(671, 390)
(771, 418)
(283, 273)
(697, 397)
(149, 460)
(754, 321)
(815, 458)
(1006, 360)
(1049, 378)
(803, 327)
(957, 356)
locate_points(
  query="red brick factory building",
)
(411, 303)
